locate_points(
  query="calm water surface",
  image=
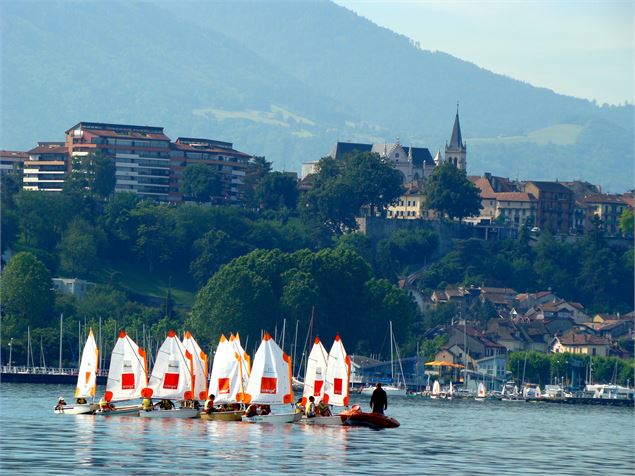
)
(457, 437)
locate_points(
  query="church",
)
(416, 164)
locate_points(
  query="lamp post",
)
(10, 353)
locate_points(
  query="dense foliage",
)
(449, 192)
(586, 271)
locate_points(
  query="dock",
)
(64, 376)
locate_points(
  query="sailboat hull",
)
(130, 410)
(223, 416)
(371, 420)
(174, 413)
(76, 409)
(274, 418)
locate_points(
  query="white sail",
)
(227, 381)
(451, 392)
(199, 366)
(338, 374)
(128, 371)
(481, 390)
(436, 388)
(171, 377)
(244, 356)
(270, 379)
(87, 377)
(315, 373)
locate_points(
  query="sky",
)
(578, 48)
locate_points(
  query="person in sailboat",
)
(104, 406)
(61, 403)
(379, 400)
(81, 401)
(147, 405)
(252, 410)
(323, 409)
(310, 408)
(166, 404)
(299, 408)
(209, 404)
(265, 409)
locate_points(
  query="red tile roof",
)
(603, 198)
(574, 339)
(515, 197)
(12, 154)
(42, 149)
(483, 184)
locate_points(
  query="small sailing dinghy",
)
(172, 378)
(86, 380)
(314, 377)
(436, 390)
(228, 379)
(198, 368)
(450, 394)
(127, 376)
(480, 393)
(338, 373)
(270, 384)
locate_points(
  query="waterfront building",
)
(46, 167)
(141, 154)
(221, 156)
(577, 342)
(554, 207)
(12, 161)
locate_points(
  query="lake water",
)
(435, 437)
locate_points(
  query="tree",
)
(257, 169)
(78, 248)
(342, 188)
(627, 222)
(277, 190)
(94, 173)
(201, 182)
(449, 192)
(213, 249)
(27, 290)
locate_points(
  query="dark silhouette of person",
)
(379, 400)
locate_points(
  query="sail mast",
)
(61, 323)
(392, 367)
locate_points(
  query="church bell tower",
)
(455, 151)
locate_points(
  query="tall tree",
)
(449, 192)
(93, 173)
(277, 190)
(257, 169)
(26, 290)
(78, 248)
(201, 183)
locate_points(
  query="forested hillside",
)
(285, 80)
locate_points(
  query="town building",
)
(46, 167)
(603, 211)
(554, 207)
(12, 161)
(141, 155)
(221, 156)
(577, 342)
(72, 286)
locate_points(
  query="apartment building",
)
(141, 155)
(230, 163)
(554, 206)
(605, 208)
(46, 167)
(11, 160)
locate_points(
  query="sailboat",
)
(198, 368)
(229, 378)
(270, 383)
(395, 389)
(338, 373)
(171, 379)
(450, 394)
(315, 373)
(436, 390)
(480, 393)
(127, 376)
(86, 380)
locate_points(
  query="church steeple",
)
(456, 151)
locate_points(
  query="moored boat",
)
(480, 393)
(436, 390)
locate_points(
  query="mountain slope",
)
(285, 80)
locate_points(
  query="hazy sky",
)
(578, 48)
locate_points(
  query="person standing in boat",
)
(209, 404)
(379, 400)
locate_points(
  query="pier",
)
(65, 376)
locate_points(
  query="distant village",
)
(148, 163)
